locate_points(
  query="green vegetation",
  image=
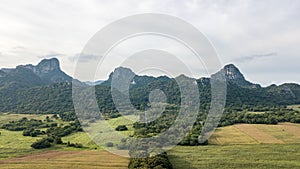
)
(157, 162)
(34, 128)
(271, 116)
(43, 143)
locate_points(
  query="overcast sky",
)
(261, 37)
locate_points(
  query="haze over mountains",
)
(45, 88)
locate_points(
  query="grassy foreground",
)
(258, 156)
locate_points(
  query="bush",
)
(44, 143)
(57, 140)
(121, 128)
(109, 144)
(76, 145)
(123, 146)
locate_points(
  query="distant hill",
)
(45, 88)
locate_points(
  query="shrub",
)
(44, 143)
(109, 144)
(121, 128)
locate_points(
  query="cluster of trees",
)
(65, 130)
(160, 161)
(260, 116)
(51, 140)
(46, 142)
(23, 124)
(150, 129)
(52, 134)
(33, 132)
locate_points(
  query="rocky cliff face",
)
(48, 65)
(233, 75)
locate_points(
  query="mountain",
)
(45, 88)
(122, 74)
(46, 72)
(233, 75)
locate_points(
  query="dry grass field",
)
(67, 159)
(247, 146)
(283, 133)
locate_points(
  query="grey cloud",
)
(83, 57)
(50, 55)
(253, 57)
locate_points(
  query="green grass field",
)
(254, 156)
(13, 144)
(100, 131)
(103, 131)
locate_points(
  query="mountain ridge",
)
(44, 73)
(52, 65)
(31, 89)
